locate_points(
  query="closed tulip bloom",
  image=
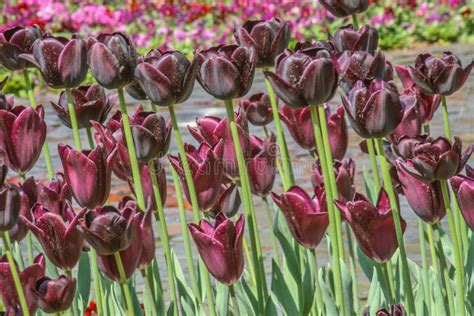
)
(18, 232)
(10, 204)
(62, 62)
(147, 184)
(344, 172)
(226, 72)
(343, 8)
(348, 38)
(395, 310)
(147, 238)
(207, 172)
(434, 75)
(166, 78)
(90, 104)
(54, 295)
(374, 110)
(307, 217)
(228, 201)
(55, 194)
(269, 38)
(372, 225)
(22, 135)
(463, 187)
(220, 247)
(304, 77)
(112, 59)
(88, 174)
(258, 109)
(262, 165)
(411, 123)
(15, 41)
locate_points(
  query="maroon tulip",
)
(226, 72)
(307, 217)
(10, 204)
(228, 201)
(258, 109)
(88, 174)
(463, 187)
(374, 110)
(269, 38)
(3, 174)
(395, 310)
(54, 295)
(22, 135)
(18, 232)
(207, 172)
(90, 104)
(147, 184)
(58, 235)
(348, 38)
(344, 172)
(220, 247)
(410, 125)
(435, 75)
(55, 195)
(147, 238)
(261, 164)
(304, 77)
(112, 59)
(345, 7)
(62, 62)
(372, 225)
(134, 90)
(166, 78)
(28, 278)
(15, 41)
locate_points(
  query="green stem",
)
(73, 309)
(248, 209)
(398, 227)
(31, 97)
(90, 138)
(352, 262)
(355, 22)
(318, 306)
(270, 222)
(445, 278)
(331, 209)
(373, 164)
(72, 116)
(15, 275)
(234, 300)
(447, 127)
(424, 262)
(249, 259)
(431, 242)
(389, 283)
(97, 281)
(124, 283)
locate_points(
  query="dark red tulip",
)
(344, 172)
(207, 171)
(374, 110)
(228, 201)
(10, 204)
(18, 232)
(434, 75)
(54, 295)
(88, 174)
(3, 174)
(307, 217)
(134, 90)
(15, 41)
(269, 38)
(425, 199)
(28, 278)
(261, 164)
(395, 310)
(220, 247)
(463, 187)
(90, 104)
(372, 225)
(343, 8)
(348, 38)
(327, 45)
(54, 195)
(304, 77)
(166, 78)
(22, 135)
(147, 238)
(112, 59)
(258, 109)
(411, 123)
(226, 72)
(147, 184)
(62, 62)
(58, 235)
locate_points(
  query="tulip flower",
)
(348, 38)
(62, 62)
(54, 295)
(112, 59)
(374, 110)
(228, 201)
(15, 41)
(166, 78)
(345, 7)
(425, 199)
(304, 77)
(257, 109)
(269, 38)
(395, 310)
(88, 174)
(10, 203)
(28, 278)
(261, 164)
(90, 104)
(55, 195)
(344, 172)
(147, 238)
(207, 172)
(463, 187)
(18, 232)
(434, 75)
(58, 235)
(226, 72)
(147, 184)
(307, 217)
(410, 125)
(3, 174)
(134, 90)
(22, 135)
(373, 226)
(220, 247)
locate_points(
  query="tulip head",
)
(257, 109)
(54, 295)
(463, 187)
(15, 41)
(345, 8)
(10, 205)
(228, 201)
(364, 39)
(298, 122)
(344, 172)
(262, 164)
(411, 123)
(55, 195)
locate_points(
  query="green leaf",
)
(437, 292)
(84, 279)
(347, 286)
(222, 299)
(328, 298)
(369, 186)
(308, 290)
(245, 304)
(367, 265)
(270, 307)
(184, 290)
(282, 292)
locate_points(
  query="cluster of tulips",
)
(230, 167)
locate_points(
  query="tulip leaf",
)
(447, 245)
(158, 289)
(250, 294)
(222, 299)
(469, 268)
(347, 285)
(369, 187)
(367, 264)
(244, 301)
(133, 291)
(375, 299)
(308, 288)
(282, 292)
(184, 291)
(437, 292)
(421, 302)
(270, 307)
(84, 278)
(328, 297)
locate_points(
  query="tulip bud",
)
(15, 41)
(10, 204)
(348, 38)
(345, 8)
(55, 195)
(344, 172)
(54, 295)
(18, 232)
(258, 109)
(463, 187)
(228, 201)
(261, 164)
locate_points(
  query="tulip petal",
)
(289, 94)
(72, 63)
